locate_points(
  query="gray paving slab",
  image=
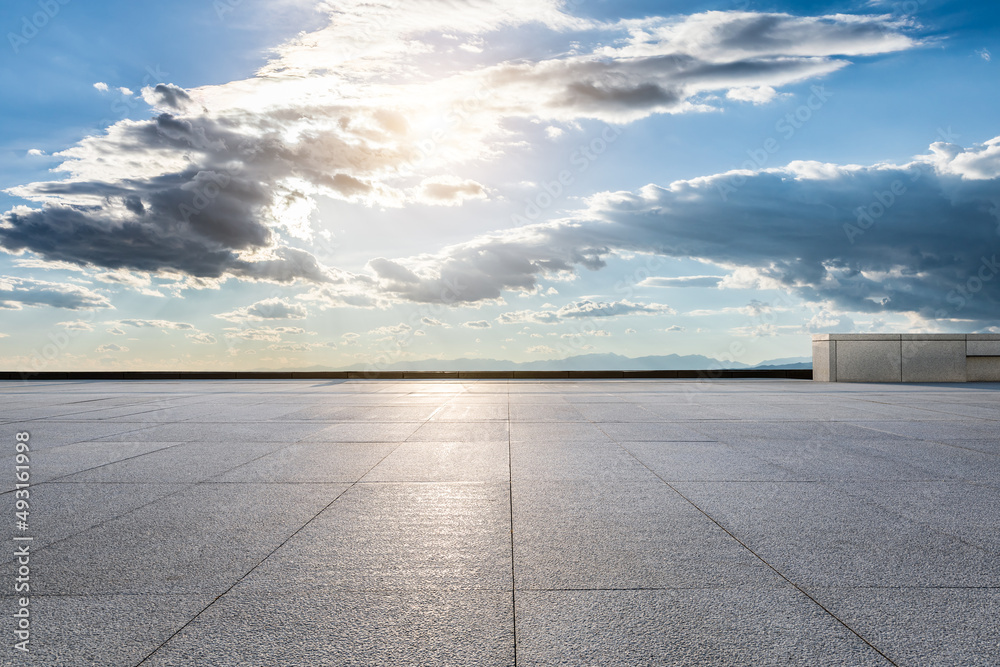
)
(923, 626)
(393, 536)
(652, 431)
(557, 432)
(486, 431)
(475, 412)
(102, 630)
(585, 535)
(691, 627)
(817, 535)
(348, 628)
(201, 540)
(200, 431)
(186, 463)
(364, 432)
(310, 462)
(63, 510)
(452, 461)
(961, 509)
(567, 461)
(47, 434)
(705, 461)
(618, 522)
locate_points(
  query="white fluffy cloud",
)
(268, 309)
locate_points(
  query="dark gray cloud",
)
(211, 219)
(668, 63)
(18, 292)
(167, 95)
(919, 238)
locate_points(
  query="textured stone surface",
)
(824, 360)
(933, 360)
(906, 357)
(610, 523)
(869, 361)
(983, 369)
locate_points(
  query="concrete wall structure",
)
(906, 357)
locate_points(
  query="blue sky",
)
(248, 184)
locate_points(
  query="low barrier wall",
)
(906, 357)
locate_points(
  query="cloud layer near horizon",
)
(920, 238)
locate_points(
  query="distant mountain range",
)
(583, 362)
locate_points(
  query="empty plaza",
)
(503, 522)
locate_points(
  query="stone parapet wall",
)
(906, 357)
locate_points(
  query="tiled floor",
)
(750, 522)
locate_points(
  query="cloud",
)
(397, 330)
(36, 152)
(111, 347)
(449, 191)
(667, 64)
(431, 322)
(754, 95)
(268, 334)
(212, 186)
(268, 309)
(582, 309)
(587, 308)
(101, 86)
(203, 206)
(826, 321)
(681, 281)
(140, 282)
(166, 96)
(18, 292)
(863, 238)
(674, 328)
(202, 338)
(163, 325)
(532, 316)
(477, 324)
(76, 325)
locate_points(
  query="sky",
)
(251, 184)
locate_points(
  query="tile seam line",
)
(510, 497)
(264, 559)
(184, 487)
(756, 555)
